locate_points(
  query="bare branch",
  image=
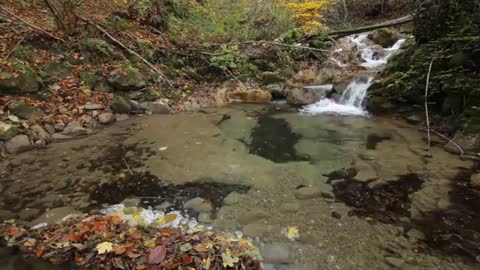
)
(30, 25)
(426, 107)
(272, 43)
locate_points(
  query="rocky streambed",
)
(315, 192)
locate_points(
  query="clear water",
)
(190, 149)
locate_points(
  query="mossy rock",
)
(386, 37)
(127, 78)
(89, 79)
(26, 82)
(98, 46)
(151, 94)
(457, 60)
(58, 69)
(120, 105)
(7, 131)
(25, 111)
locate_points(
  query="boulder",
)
(386, 37)
(151, 94)
(7, 131)
(309, 94)
(250, 95)
(106, 118)
(40, 134)
(25, 111)
(156, 107)
(26, 82)
(347, 51)
(74, 129)
(127, 78)
(18, 144)
(377, 52)
(120, 105)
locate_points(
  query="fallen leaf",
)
(186, 247)
(228, 259)
(104, 247)
(157, 255)
(119, 250)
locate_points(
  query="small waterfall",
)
(351, 100)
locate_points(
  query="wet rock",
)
(93, 106)
(120, 105)
(156, 107)
(59, 126)
(18, 144)
(386, 37)
(276, 253)
(232, 198)
(25, 111)
(106, 118)
(134, 106)
(7, 131)
(395, 262)
(377, 52)
(204, 218)
(131, 202)
(292, 207)
(54, 215)
(127, 78)
(475, 180)
(40, 142)
(308, 94)
(200, 205)
(40, 134)
(27, 82)
(306, 193)
(253, 216)
(259, 229)
(121, 117)
(416, 234)
(348, 51)
(250, 96)
(336, 215)
(74, 129)
(49, 128)
(28, 214)
(151, 94)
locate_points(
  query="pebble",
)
(200, 205)
(276, 253)
(93, 106)
(40, 133)
(292, 207)
(305, 193)
(253, 216)
(74, 129)
(475, 180)
(232, 198)
(413, 233)
(395, 262)
(106, 118)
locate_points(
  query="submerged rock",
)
(200, 205)
(18, 144)
(305, 193)
(106, 118)
(232, 198)
(54, 215)
(276, 253)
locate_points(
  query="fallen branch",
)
(426, 107)
(119, 43)
(13, 50)
(128, 166)
(450, 141)
(31, 25)
(272, 43)
(399, 21)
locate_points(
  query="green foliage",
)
(228, 20)
(227, 58)
(117, 23)
(98, 46)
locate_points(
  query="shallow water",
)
(378, 212)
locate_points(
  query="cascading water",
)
(351, 100)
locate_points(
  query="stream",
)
(360, 189)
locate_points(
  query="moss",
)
(120, 105)
(89, 79)
(98, 46)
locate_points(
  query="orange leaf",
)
(120, 250)
(13, 231)
(39, 252)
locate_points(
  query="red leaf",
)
(157, 255)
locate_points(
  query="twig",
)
(31, 25)
(101, 29)
(128, 167)
(426, 107)
(16, 46)
(272, 43)
(450, 141)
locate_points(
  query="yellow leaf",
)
(292, 233)
(169, 218)
(228, 260)
(104, 247)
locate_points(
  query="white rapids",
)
(351, 101)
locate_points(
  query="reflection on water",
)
(277, 163)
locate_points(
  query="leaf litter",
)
(132, 239)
